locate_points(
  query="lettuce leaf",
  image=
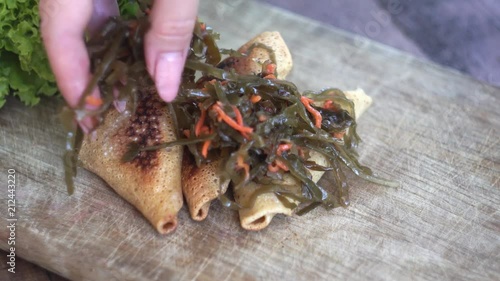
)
(128, 8)
(24, 69)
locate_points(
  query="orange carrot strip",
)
(339, 135)
(186, 133)
(93, 101)
(270, 76)
(317, 116)
(206, 144)
(239, 120)
(283, 147)
(223, 116)
(282, 165)
(271, 68)
(273, 168)
(255, 98)
(199, 124)
(328, 104)
(205, 147)
(276, 166)
(205, 130)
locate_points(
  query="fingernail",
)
(88, 124)
(168, 71)
(120, 105)
(83, 125)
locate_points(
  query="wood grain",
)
(435, 130)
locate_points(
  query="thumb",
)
(167, 43)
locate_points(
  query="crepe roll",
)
(201, 185)
(360, 99)
(266, 46)
(258, 210)
(152, 180)
(258, 215)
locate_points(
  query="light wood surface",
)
(433, 129)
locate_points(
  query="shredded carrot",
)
(273, 168)
(212, 82)
(223, 116)
(317, 116)
(186, 133)
(239, 118)
(282, 165)
(271, 68)
(205, 130)
(93, 101)
(240, 164)
(283, 147)
(328, 104)
(270, 76)
(339, 135)
(199, 124)
(276, 166)
(206, 144)
(205, 147)
(255, 98)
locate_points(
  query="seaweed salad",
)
(260, 126)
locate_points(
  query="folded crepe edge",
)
(267, 205)
(152, 183)
(259, 215)
(200, 186)
(258, 211)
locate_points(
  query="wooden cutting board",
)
(434, 130)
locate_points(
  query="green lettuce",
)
(24, 69)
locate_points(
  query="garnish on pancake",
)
(241, 124)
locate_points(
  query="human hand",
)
(63, 24)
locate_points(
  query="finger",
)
(62, 27)
(166, 44)
(101, 12)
